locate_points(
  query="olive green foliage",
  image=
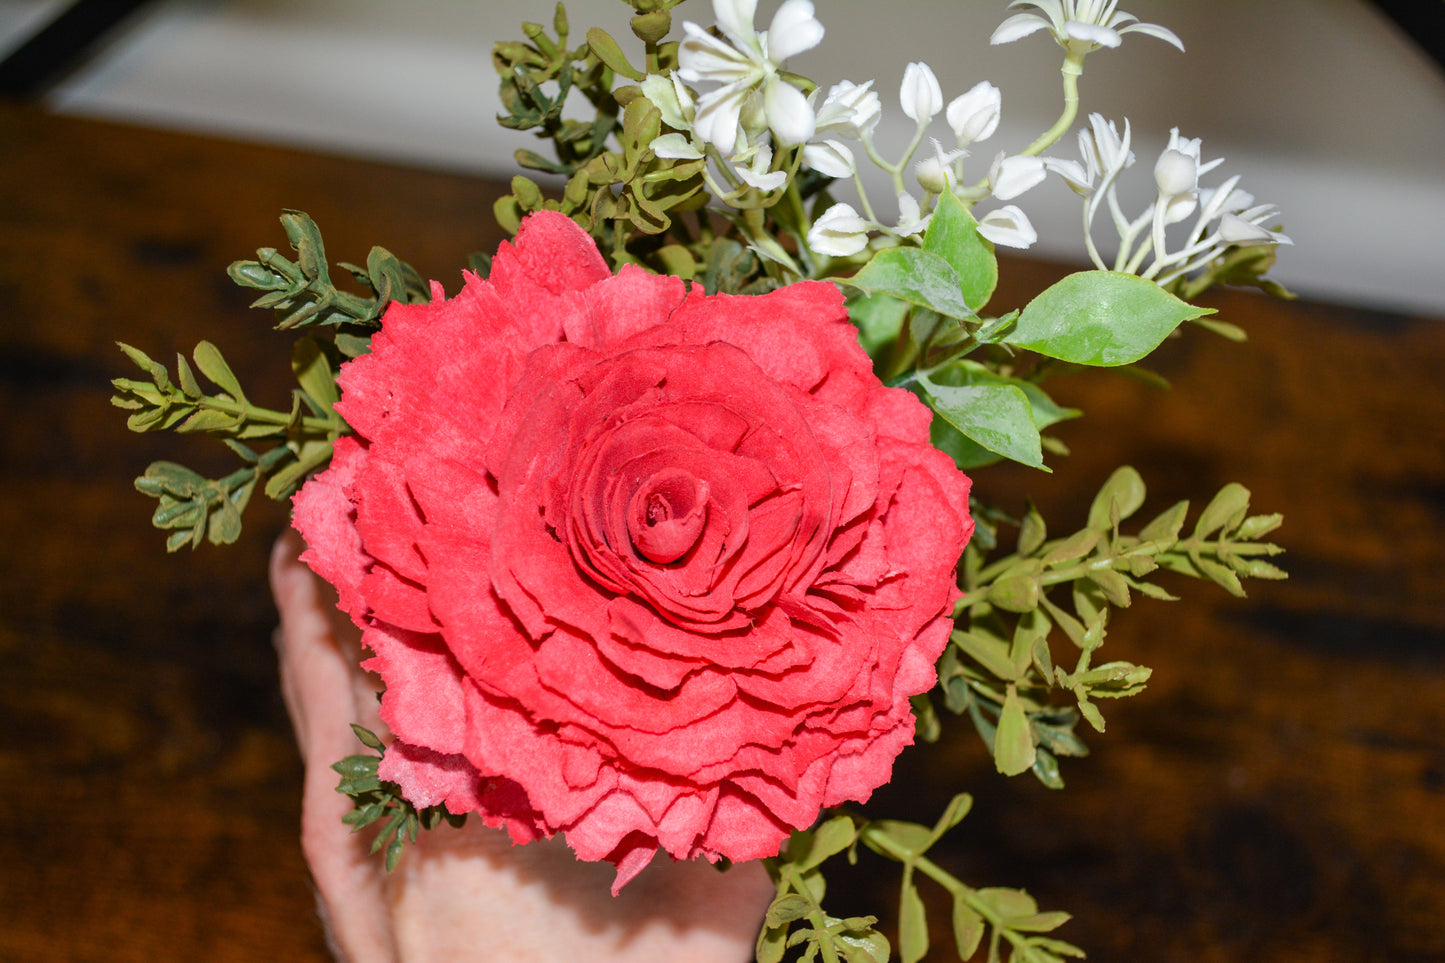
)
(337, 324)
(375, 800)
(640, 208)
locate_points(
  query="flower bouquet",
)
(659, 529)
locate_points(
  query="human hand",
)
(469, 894)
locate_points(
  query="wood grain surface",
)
(1277, 794)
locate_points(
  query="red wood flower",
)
(647, 567)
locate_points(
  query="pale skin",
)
(469, 894)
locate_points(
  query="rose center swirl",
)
(666, 515)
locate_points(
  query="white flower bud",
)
(831, 157)
(840, 232)
(920, 94)
(1008, 177)
(974, 116)
(1176, 173)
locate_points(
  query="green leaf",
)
(1010, 904)
(953, 235)
(772, 944)
(919, 277)
(968, 928)
(863, 947)
(1040, 922)
(912, 923)
(1166, 525)
(313, 373)
(1225, 511)
(787, 908)
(957, 808)
(611, 54)
(829, 839)
(368, 738)
(1077, 545)
(879, 320)
(1017, 593)
(213, 366)
(1100, 318)
(996, 416)
(992, 654)
(911, 837)
(1032, 532)
(1013, 744)
(1120, 498)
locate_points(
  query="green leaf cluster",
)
(615, 186)
(299, 439)
(375, 800)
(918, 313)
(1009, 918)
(303, 294)
(1002, 667)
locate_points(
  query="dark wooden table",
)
(1277, 794)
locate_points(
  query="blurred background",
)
(1325, 107)
(1275, 795)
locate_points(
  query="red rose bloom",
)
(646, 567)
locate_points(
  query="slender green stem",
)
(267, 416)
(816, 916)
(955, 886)
(1072, 69)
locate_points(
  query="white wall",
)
(1321, 105)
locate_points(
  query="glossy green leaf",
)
(953, 235)
(879, 319)
(1013, 744)
(996, 416)
(916, 276)
(1100, 318)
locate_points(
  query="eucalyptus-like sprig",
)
(338, 325)
(1000, 668)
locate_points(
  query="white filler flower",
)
(1078, 25)
(747, 69)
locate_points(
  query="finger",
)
(319, 684)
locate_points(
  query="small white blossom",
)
(1008, 226)
(840, 232)
(920, 95)
(1008, 177)
(1176, 174)
(909, 221)
(935, 174)
(831, 157)
(753, 163)
(849, 110)
(1244, 228)
(974, 116)
(753, 95)
(1078, 25)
